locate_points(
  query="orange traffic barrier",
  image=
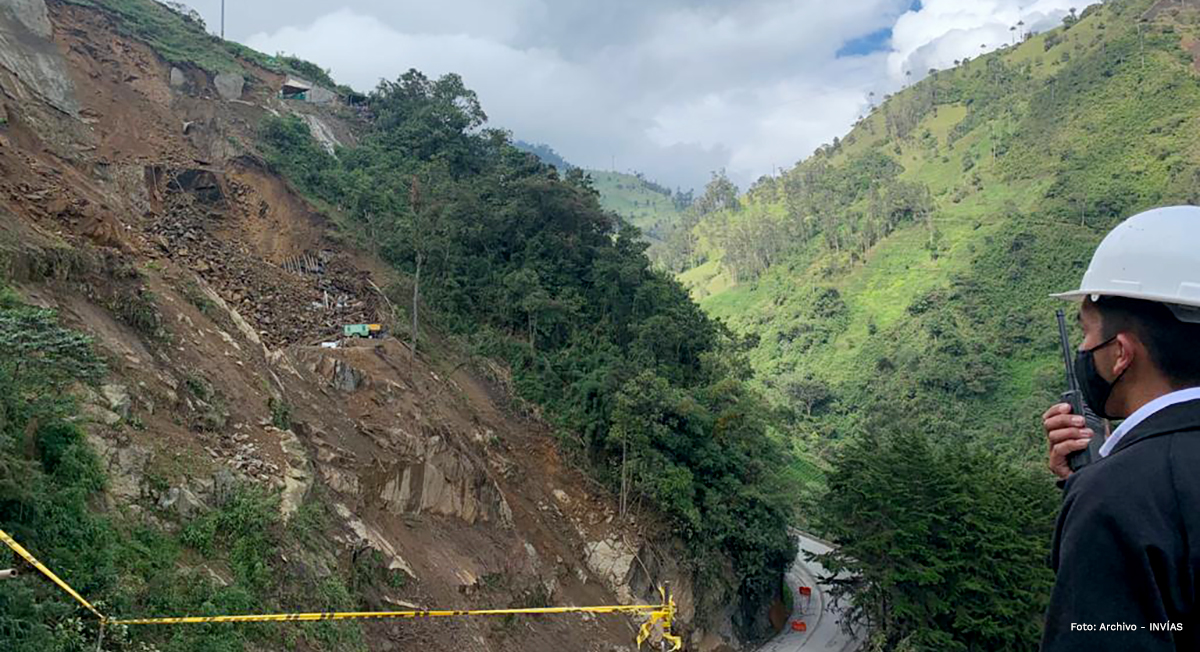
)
(799, 626)
(805, 591)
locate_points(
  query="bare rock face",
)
(321, 133)
(26, 50)
(443, 481)
(297, 477)
(374, 539)
(125, 466)
(338, 373)
(229, 85)
(611, 559)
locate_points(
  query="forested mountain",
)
(894, 286)
(545, 154)
(650, 206)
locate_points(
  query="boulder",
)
(345, 377)
(182, 501)
(319, 95)
(229, 85)
(178, 79)
(100, 415)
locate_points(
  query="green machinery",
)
(363, 330)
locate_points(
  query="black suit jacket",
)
(1127, 544)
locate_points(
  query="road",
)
(824, 632)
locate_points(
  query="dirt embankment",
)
(133, 203)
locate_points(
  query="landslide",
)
(245, 467)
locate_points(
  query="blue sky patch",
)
(873, 42)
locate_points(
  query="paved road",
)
(824, 631)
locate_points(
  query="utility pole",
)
(1142, 44)
(222, 20)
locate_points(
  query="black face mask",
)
(1095, 389)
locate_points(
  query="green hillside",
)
(892, 294)
(649, 206)
(950, 211)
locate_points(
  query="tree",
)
(719, 194)
(913, 518)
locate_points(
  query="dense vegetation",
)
(545, 154)
(894, 290)
(50, 482)
(647, 391)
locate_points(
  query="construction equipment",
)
(373, 331)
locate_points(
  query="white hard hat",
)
(1153, 256)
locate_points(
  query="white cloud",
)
(943, 31)
(675, 88)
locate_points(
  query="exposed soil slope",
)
(133, 203)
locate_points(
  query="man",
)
(1127, 543)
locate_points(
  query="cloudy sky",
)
(673, 88)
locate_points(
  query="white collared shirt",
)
(1144, 412)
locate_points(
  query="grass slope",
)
(183, 40)
(636, 200)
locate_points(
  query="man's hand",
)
(1066, 433)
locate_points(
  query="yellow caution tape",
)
(48, 573)
(666, 615)
(656, 613)
(350, 615)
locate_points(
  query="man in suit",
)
(1126, 549)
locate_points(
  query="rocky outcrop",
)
(117, 398)
(27, 51)
(611, 560)
(374, 539)
(321, 132)
(442, 480)
(297, 477)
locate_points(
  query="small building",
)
(295, 89)
(298, 89)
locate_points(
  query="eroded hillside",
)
(248, 467)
